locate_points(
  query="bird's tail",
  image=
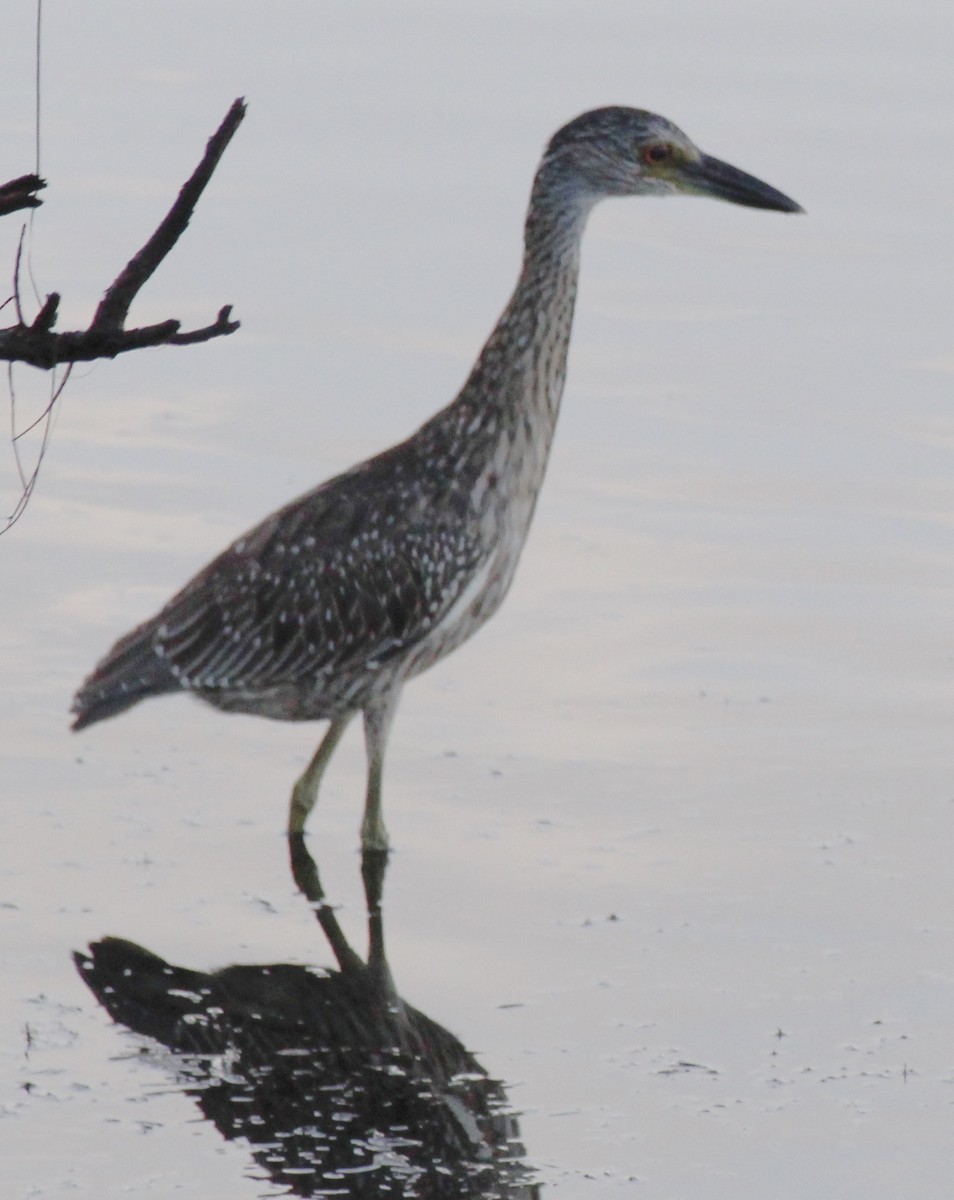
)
(130, 672)
(140, 989)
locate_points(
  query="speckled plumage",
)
(330, 604)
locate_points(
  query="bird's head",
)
(629, 152)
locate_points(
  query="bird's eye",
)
(656, 153)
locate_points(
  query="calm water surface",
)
(673, 836)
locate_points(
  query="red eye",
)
(656, 153)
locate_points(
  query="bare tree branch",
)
(220, 326)
(107, 336)
(114, 306)
(19, 193)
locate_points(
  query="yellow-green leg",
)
(305, 792)
(377, 723)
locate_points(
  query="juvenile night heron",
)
(331, 604)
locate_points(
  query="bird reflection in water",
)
(339, 1086)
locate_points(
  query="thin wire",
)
(37, 112)
(28, 483)
(57, 388)
(39, 39)
(13, 440)
(46, 417)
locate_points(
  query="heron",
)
(330, 605)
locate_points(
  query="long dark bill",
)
(712, 177)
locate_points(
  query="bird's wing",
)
(337, 579)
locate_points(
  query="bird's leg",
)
(378, 715)
(305, 792)
(374, 865)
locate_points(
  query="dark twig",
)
(220, 326)
(107, 336)
(45, 319)
(114, 306)
(20, 193)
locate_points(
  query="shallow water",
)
(673, 835)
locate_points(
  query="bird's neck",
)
(518, 378)
(501, 425)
